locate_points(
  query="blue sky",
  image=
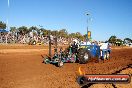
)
(107, 17)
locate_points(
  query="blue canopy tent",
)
(3, 31)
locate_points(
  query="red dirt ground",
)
(21, 67)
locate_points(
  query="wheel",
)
(83, 56)
(46, 61)
(60, 63)
(108, 55)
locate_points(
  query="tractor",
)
(87, 52)
(82, 54)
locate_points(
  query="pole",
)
(55, 42)
(49, 45)
(87, 30)
(8, 3)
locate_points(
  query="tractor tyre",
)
(83, 56)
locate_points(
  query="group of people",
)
(25, 39)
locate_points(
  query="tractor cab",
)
(102, 51)
(93, 49)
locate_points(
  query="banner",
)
(89, 34)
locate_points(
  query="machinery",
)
(34, 42)
(87, 52)
(61, 57)
(83, 53)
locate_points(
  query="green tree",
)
(38, 31)
(54, 33)
(2, 25)
(85, 37)
(13, 29)
(77, 34)
(41, 31)
(63, 33)
(45, 32)
(112, 39)
(34, 29)
(127, 40)
(23, 30)
(119, 42)
(72, 35)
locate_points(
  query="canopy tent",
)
(3, 31)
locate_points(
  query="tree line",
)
(116, 41)
(23, 30)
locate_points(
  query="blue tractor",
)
(87, 52)
(83, 54)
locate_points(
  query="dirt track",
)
(21, 67)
